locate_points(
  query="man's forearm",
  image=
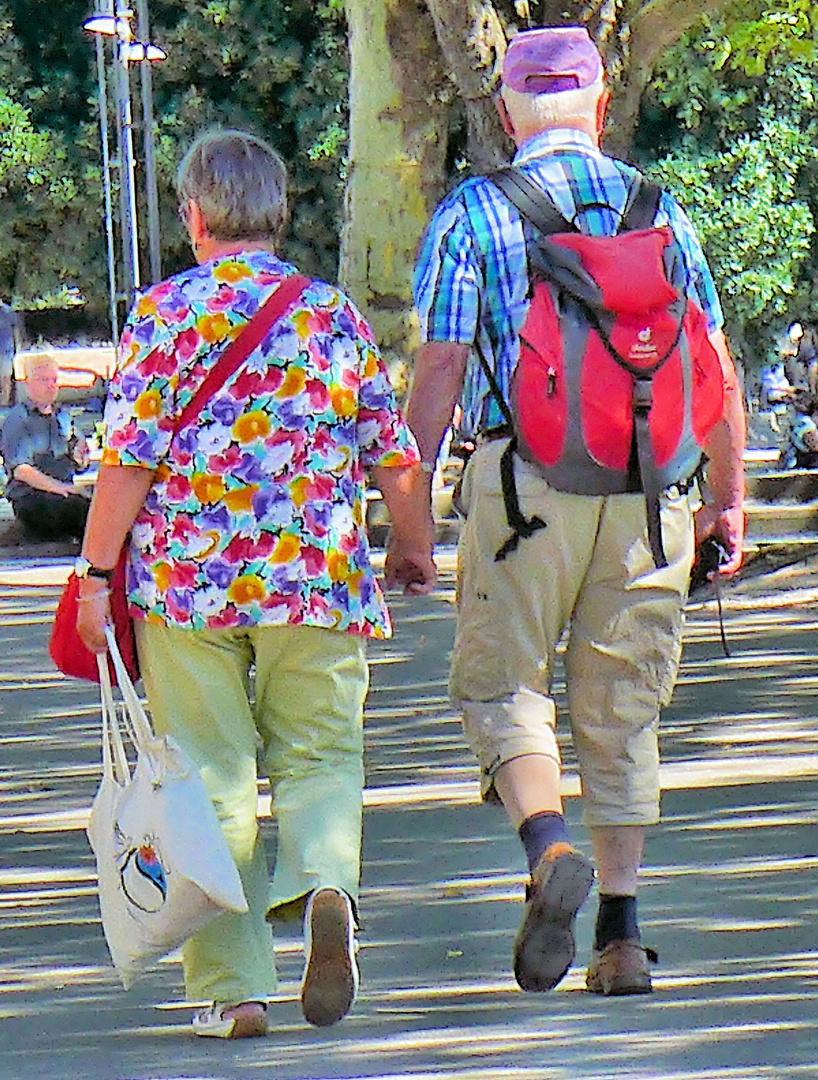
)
(36, 478)
(725, 445)
(437, 380)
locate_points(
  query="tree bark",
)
(409, 61)
(473, 43)
(399, 104)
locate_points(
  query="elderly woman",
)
(248, 552)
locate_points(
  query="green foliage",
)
(277, 67)
(46, 239)
(759, 34)
(738, 151)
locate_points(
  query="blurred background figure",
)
(776, 392)
(802, 368)
(42, 452)
(801, 451)
(9, 343)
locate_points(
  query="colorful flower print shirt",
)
(256, 516)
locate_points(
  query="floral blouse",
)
(256, 516)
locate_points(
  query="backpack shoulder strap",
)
(531, 201)
(643, 202)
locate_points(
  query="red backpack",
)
(617, 386)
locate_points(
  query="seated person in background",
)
(776, 392)
(802, 450)
(41, 454)
(803, 353)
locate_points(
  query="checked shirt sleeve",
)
(701, 287)
(448, 277)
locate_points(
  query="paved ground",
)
(730, 897)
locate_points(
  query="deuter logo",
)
(643, 350)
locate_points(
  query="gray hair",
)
(239, 184)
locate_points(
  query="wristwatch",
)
(84, 569)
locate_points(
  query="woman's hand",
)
(93, 612)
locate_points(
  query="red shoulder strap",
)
(251, 335)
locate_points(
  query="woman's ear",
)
(195, 223)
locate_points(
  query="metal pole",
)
(152, 196)
(130, 240)
(106, 185)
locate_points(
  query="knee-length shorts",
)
(590, 572)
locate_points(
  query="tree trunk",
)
(399, 107)
(473, 44)
(409, 60)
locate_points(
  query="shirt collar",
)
(571, 139)
(32, 409)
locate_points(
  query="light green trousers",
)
(303, 725)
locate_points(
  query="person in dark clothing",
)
(41, 454)
(803, 356)
(9, 341)
(802, 449)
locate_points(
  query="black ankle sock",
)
(616, 920)
(539, 832)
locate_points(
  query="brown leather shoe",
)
(621, 968)
(544, 947)
(331, 972)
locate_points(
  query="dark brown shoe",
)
(621, 968)
(544, 948)
(331, 972)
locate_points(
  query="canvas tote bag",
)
(163, 864)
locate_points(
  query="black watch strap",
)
(96, 572)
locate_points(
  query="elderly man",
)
(41, 453)
(591, 569)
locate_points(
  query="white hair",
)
(563, 109)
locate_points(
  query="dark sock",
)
(539, 832)
(616, 920)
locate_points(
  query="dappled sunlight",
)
(729, 895)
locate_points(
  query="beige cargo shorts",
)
(589, 572)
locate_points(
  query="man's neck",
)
(576, 126)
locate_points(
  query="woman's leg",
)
(310, 689)
(196, 683)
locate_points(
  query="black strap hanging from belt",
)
(522, 527)
(642, 400)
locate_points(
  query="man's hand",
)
(82, 455)
(726, 525)
(409, 567)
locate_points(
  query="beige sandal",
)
(245, 1020)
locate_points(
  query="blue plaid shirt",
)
(471, 278)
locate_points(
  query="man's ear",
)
(601, 109)
(505, 119)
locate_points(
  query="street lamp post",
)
(127, 177)
(117, 22)
(151, 193)
(106, 186)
